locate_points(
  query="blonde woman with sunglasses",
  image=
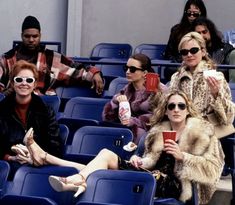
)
(194, 156)
(206, 87)
(21, 110)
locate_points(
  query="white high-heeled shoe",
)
(60, 184)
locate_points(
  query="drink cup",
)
(152, 81)
(124, 110)
(167, 134)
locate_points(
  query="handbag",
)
(168, 185)
(220, 130)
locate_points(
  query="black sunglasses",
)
(193, 50)
(172, 106)
(196, 15)
(132, 69)
(19, 79)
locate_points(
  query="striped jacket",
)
(54, 69)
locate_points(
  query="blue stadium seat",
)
(153, 51)
(33, 181)
(112, 69)
(2, 96)
(229, 37)
(74, 125)
(4, 172)
(64, 133)
(66, 93)
(89, 140)
(94, 203)
(26, 200)
(232, 87)
(119, 187)
(111, 50)
(85, 108)
(115, 86)
(53, 101)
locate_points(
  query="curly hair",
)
(159, 113)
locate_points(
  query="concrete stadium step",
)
(223, 194)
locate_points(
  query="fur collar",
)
(194, 138)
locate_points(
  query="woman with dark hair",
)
(135, 95)
(192, 10)
(220, 52)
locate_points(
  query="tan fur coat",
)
(203, 157)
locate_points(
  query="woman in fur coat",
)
(195, 156)
(206, 87)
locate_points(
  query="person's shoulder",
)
(175, 27)
(228, 46)
(10, 53)
(200, 125)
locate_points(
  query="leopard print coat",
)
(195, 86)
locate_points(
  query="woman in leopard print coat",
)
(209, 94)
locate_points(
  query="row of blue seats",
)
(114, 187)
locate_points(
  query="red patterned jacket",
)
(54, 69)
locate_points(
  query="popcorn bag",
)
(124, 110)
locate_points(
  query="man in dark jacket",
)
(54, 68)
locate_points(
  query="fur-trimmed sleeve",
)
(205, 169)
(153, 148)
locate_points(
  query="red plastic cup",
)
(169, 135)
(152, 81)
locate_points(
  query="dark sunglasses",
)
(193, 14)
(132, 69)
(19, 79)
(193, 50)
(172, 106)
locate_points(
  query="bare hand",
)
(136, 161)
(98, 83)
(121, 98)
(214, 86)
(125, 121)
(171, 147)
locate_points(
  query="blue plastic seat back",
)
(84, 107)
(120, 187)
(94, 203)
(229, 36)
(31, 181)
(53, 101)
(2, 96)
(66, 93)
(232, 87)
(26, 200)
(64, 133)
(4, 172)
(111, 50)
(167, 201)
(74, 125)
(70, 92)
(89, 140)
(115, 86)
(153, 51)
(112, 69)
